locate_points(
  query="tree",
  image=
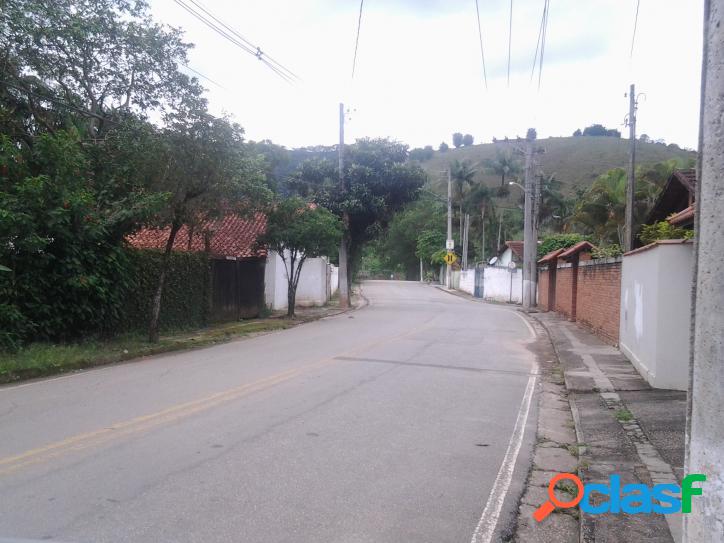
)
(380, 181)
(504, 164)
(297, 231)
(577, 133)
(644, 138)
(600, 130)
(467, 140)
(462, 174)
(208, 173)
(457, 139)
(105, 58)
(444, 147)
(422, 154)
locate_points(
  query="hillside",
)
(575, 161)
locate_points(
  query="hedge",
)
(186, 293)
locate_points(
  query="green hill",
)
(575, 161)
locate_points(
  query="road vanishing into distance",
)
(408, 420)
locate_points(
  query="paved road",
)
(390, 423)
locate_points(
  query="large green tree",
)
(378, 181)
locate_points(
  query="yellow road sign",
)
(450, 259)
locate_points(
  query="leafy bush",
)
(559, 241)
(186, 292)
(663, 230)
(608, 251)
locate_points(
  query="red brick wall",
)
(543, 289)
(564, 278)
(599, 299)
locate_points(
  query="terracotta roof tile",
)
(231, 236)
(684, 216)
(516, 247)
(551, 257)
(577, 248)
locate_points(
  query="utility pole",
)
(343, 260)
(630, 187)
(448, 274)
(704, 430)
(530, 241)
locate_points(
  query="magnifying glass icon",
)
(547, 508)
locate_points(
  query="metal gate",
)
(237, 289)
(479, 281)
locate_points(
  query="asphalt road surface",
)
(401, 421)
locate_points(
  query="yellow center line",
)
(146, 422)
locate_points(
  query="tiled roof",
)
(551, 257)
(678, 193)
(577, 248)
(685, 216)
(516, 247)
(230, 236)
(687, 178)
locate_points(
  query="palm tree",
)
(504, 165)
(480, 198)
(462, 174)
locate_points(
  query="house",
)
(237, 261)
(512, 251)
(676, 201)
(245, 276)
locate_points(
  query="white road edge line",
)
(489, 519)
(533, 335)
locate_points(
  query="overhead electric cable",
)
(258, 53)
(510, 38)
(480, 36)
(636, 22)
(356, 41)
(546, 11)
(201, 75)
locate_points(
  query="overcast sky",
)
(419, 73)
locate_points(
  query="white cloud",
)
(419, 75)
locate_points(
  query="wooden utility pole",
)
(530, 241)
(343, 260)
(630, 187)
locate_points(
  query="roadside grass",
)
(624, 415)
(43, 359)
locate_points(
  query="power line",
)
(480, 35)
(356, 42)
(546, 12)
(636, 22)
(202, 75)
(510, 38)
(540, 44)
(259, 52)
(277, 68)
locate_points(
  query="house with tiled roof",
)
(676, 202)
(244, 275)
(237, 260)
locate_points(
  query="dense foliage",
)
(663, 230)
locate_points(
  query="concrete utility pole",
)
(631, 186)
(530, 238)
(343, 261)
(448, 274)
(705, 431)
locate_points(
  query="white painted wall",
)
(333, 280)
(454, 279)
(467, 281)
(500, 285)
(313, 288)
(655, 313)
(504, 259)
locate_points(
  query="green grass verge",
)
(43, 359)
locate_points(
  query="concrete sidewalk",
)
(623, 426)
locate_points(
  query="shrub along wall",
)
(186, 294)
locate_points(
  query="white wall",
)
(467, 281)
(333, 280)
(655, 313)
(504, 259)
(497, 285)
(313, 288)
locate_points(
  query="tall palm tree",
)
(504, 165)
(462, 174)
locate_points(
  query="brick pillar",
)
(574, 286)
(552, 267)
